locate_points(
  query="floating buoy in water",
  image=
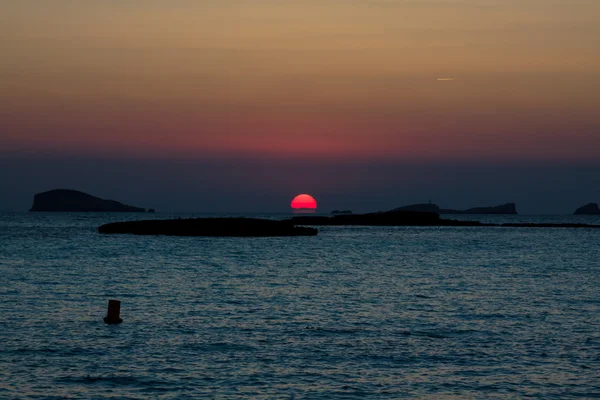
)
(113, 313)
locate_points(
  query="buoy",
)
(113, 313)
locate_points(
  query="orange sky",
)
(325, 79)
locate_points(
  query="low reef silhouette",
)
(238, 227)
(66, 200)
(388, 218)
(588, 209)
(416, 218)
(503, 209)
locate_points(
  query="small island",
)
(236, 227)
(588, 209)
(65, 200)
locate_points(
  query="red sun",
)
(304, 201)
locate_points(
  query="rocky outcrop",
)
(239, 227)
(588, 209)
(74, 201)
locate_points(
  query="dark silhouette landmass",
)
(588, 209)
(504, 209)
(75, 201)
(416, 218)
(388, 218)
(239, 227)
(254, 227)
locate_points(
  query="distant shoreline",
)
(302, 225)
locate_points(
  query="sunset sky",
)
(327, 97)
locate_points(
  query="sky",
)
(239, 105)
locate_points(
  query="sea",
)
(353, 313)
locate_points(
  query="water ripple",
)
(352, 313)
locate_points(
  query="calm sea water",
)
(355, 312)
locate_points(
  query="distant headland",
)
(588, 209)
(66, 200)
(503, 209)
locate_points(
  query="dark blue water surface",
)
(356, 312)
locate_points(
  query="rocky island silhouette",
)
(588, 209)
(67, 200)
